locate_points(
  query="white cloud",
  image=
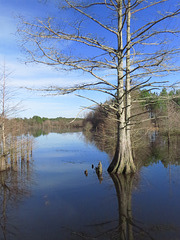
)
(34, 75)
(54, 108)
(40, 75)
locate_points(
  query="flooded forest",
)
(113, 171)
(54, 182)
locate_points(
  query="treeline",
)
(164, 110)
(62, 120)
(150, 112)
(16, 136)
(40, 125)
(15, 170)
(155, 108)
(153, 114)
(15, 146)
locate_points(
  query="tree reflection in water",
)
(126, 227)
(123, 185)
(14, 186)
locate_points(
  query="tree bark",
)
(123, 160)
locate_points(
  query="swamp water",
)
(51, 198)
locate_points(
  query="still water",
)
(53, 199)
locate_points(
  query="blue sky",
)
(38, 76)
(33, 75)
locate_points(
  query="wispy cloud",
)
(52, 107)
(35, 76)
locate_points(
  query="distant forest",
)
(41, 125)
(151, 112)
(159, 113)
(156, 116)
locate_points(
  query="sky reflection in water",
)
(65, 204)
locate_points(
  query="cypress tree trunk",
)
(130, 167)
(123, 160)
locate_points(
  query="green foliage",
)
(158, 102)
(42, 125)
(176, 97)
(164, 92)
(37, 119)
(145, 95)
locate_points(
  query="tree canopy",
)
(123, 44)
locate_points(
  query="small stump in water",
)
(99, 172)
(86, 172)
(99, 169)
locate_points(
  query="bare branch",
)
(90, 17)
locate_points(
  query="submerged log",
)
(86, 172)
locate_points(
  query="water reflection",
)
(69, 202)
(14, 186)
(154, 190)
(147, 149)
(123, 185)
(123, 228)
(130, 226)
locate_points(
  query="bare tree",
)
(105, 39)
(3, 118)
(8, 127)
